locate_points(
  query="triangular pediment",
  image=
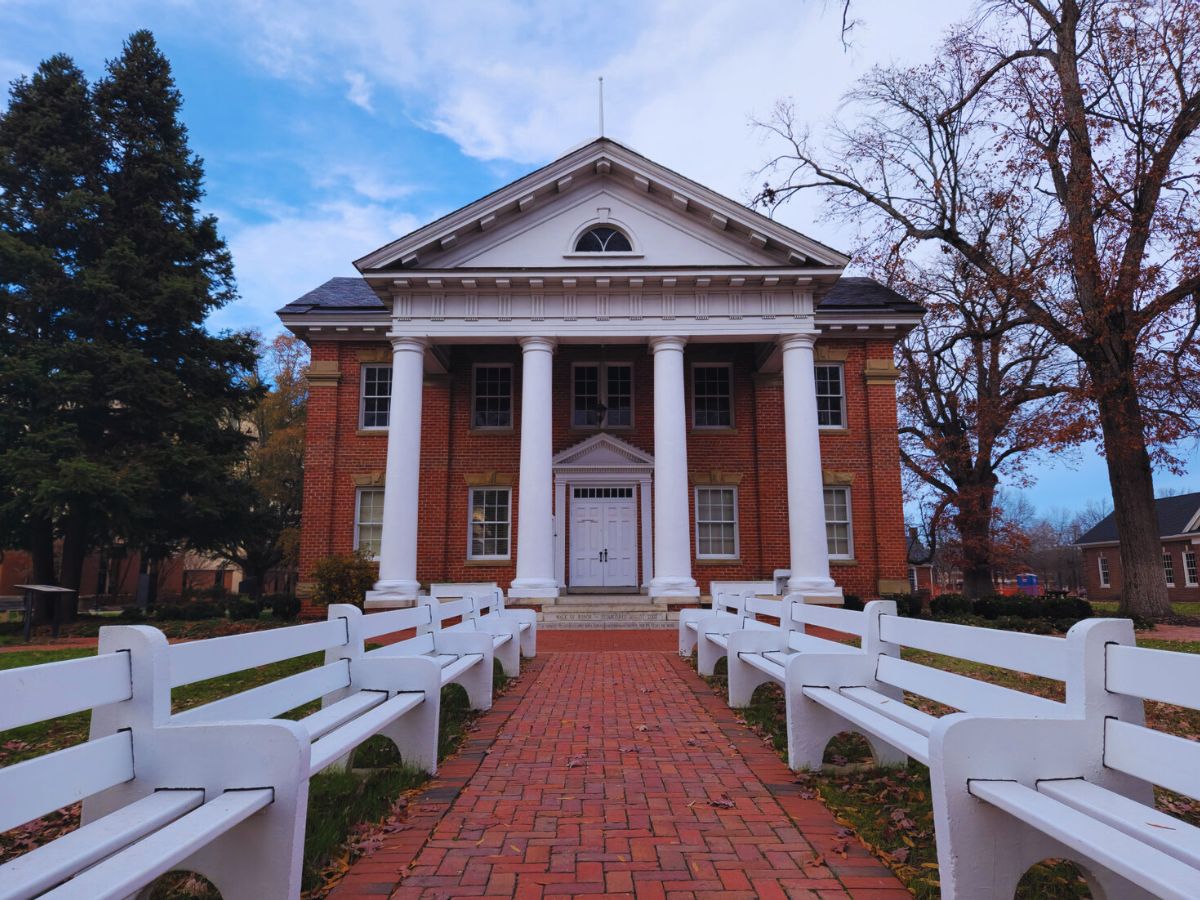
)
(670, 220)
(603, 451)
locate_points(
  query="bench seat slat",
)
(896, 710)
(272, 699)
(915, 745)
(963, 693)
(718, 638)
(421, 645)
(47, 691)
(806, 643)
(45, 783)
(337, 714)
(499, 640)
(1144, 865)
(458, 666)
(767, 663)
(1163, 675)
(1036, 654)
(1162, 759)
(133, 868)
(341, 741)
(43, 867)
(1147, 824)
(194, 661)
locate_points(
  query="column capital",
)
(668, 342)
(408, 343)
(537, 343)
(802, 340)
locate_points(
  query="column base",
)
(533, 589)
(815, 589)
(398, 594)
(674, 586)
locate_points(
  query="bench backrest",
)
(1164, 676)
(730, 596)
(483, 592)
(43, 692)
(1068, 660)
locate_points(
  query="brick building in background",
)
(1179, 531)
(605, 378)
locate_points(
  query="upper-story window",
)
(491, 402)
(712, 395)
(831, 396)
(376, 396)
(602, 395)
(603, 239)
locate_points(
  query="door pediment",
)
(603, 452)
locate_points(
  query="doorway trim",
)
(603, 460)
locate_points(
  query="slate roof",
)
(1174, 514)
(355, 295)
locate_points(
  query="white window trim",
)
(1167, 557)
(471, 521)
(603, 388)
(737, 523)
(1103, 570)
(732, 413)
(512, 397)
(1189, 579)
(849, 554)
(358, 492)
(362, 397)
(841, 367)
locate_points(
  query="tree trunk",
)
(974, 525)
(41, 551)
(1143, 584)
(75, 547)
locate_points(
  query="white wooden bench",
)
(462, 657)
(225, 800)
(865, 691)
(728, 599)
(514, 630)
(1010, 792)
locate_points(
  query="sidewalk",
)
(617, 773)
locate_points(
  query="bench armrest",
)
(757, 641)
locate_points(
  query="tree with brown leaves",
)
(1053, 147)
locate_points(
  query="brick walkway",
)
(617, 773)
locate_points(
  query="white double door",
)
(603, 537)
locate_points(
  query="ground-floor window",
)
(1189, 568)
(1169, 567)
(716, 523)
(490, 523)
(368, 521)
(838, 531)
(1105, 578)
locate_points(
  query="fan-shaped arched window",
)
(603, 239)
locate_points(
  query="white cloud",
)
(359, 91)
(281, 259)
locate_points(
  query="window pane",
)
(619, 396)
(711, 397)
(837, 521)
(370, 521)
(586, 402)
(376, 396)
(489, 522)
(829, 396)
(716, 522)
(493, 397)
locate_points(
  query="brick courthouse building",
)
(605, 377)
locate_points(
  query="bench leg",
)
(415, 733)
(509, 654)
(810, 728)
(707, 654)
(687, 636)
(477, 682)
(744, 680)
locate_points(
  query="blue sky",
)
(328, 129)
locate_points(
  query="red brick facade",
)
(865, 456)
(1178, 589)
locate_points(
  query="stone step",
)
(558, 618)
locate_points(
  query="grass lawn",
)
(347, 811)
(88, 625)
(1185, 608)
(891, 809)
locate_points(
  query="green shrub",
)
(133, 614)
(169, 611)
(950, 605)
(283, 606)
(906, 604)
(343, 578)
(852, 602)
(243, 608)
(194, 612)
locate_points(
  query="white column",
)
(397, 583)
(647, 531)
(805, 484)
(560, 533)
(672, 528)
(535, 515)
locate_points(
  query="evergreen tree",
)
(51, 166)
